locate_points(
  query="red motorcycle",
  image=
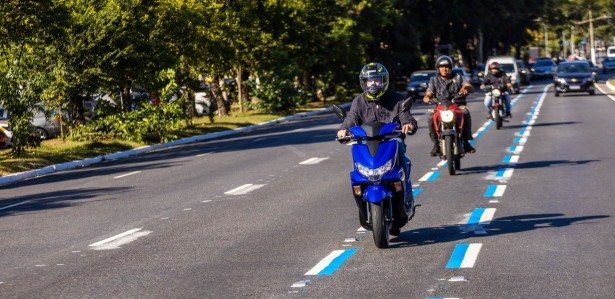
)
(448, 122)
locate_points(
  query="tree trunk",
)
(217, 94)
(240, 87)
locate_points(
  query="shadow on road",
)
(499, 226)
(525, 165)
(52, 200)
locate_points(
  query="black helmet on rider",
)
(444, 61)
(374, 80)
(494, 67)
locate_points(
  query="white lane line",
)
(118, 240)
(471, 255)
(605, 93)
(312, 161)
(259, 139)
(487, 216)
(441, 163)
(324, 262)
(361, 230)
(125, 175)
(243, 189)
(204, 154)
(14, 205)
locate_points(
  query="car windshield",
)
(543, 63)
(573, 68)
(507, 67)
(421, 77)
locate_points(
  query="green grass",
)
(57, 150)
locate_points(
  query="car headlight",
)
(496, 93)
(376, 173)
(447, 116)
(424, 85)
(411, 88)
(561, 80)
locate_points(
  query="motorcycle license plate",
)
(575, 87)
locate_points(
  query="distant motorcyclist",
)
(444, 87)
(497, 77)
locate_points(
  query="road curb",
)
(16, 177)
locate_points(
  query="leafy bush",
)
(277, 95)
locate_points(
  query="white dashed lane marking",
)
(243, 189)
(125, 175)
(312, 161)
(118, 240)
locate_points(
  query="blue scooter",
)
(381, 177)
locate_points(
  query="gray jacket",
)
(386, 109)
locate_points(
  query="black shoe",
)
(435, 150)
(394, 231)
(468, 148)
(508, 114)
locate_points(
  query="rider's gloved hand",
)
(407, 128)
(341, 134)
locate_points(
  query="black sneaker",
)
(508, 114)
(468, 148)
(394, 231)
(435, 150)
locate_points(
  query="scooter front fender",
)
(376, 193)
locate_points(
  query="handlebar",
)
(394, 134)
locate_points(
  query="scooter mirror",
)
(407, 104)
(341, 113)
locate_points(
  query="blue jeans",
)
(506, 98)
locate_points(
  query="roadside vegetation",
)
(264, 58)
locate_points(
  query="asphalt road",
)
(529, 216)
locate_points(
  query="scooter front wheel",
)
(380, 227)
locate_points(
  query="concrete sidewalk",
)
(16, 177)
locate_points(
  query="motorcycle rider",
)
(497, 77)
(445, 86)
(378, 104)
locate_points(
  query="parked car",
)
(5, 133)
(461, 71)
(418, 83)
(543, 68)
(525, 73)
(610, 51)
(45, 122)
(508, 64)
(574, 76)
(608, 64)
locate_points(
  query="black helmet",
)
(374, 71)
(444, 61)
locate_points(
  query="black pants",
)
(467, 126)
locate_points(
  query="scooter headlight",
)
(496, 93)
(447, 116)
(376, 173)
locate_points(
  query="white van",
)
(508, 64)
(610, 51)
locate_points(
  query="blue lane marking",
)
(507, 158)
(490, 190)
(473, 142)
(500, 172)
(517, 140)
(512, 148)
(475, 216)
(416, 192)
(338, 261)
(434, 176)
(457, 257)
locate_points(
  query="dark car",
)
(418, 83)
(608, 64)
(475, 78)
(574, 76)
(543, 68)
(524, 72)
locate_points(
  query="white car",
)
(508, 64)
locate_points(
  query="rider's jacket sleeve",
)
(386, 109)
(354, 115)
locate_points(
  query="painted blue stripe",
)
(507, 159)
(500, 172)
(416, 192)
(490, 190)
(473, 142)
(475, 216)
(338, 261)
(480, 134)
(457, 257)
(517, 140)
(512, 148)
(434, 176)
